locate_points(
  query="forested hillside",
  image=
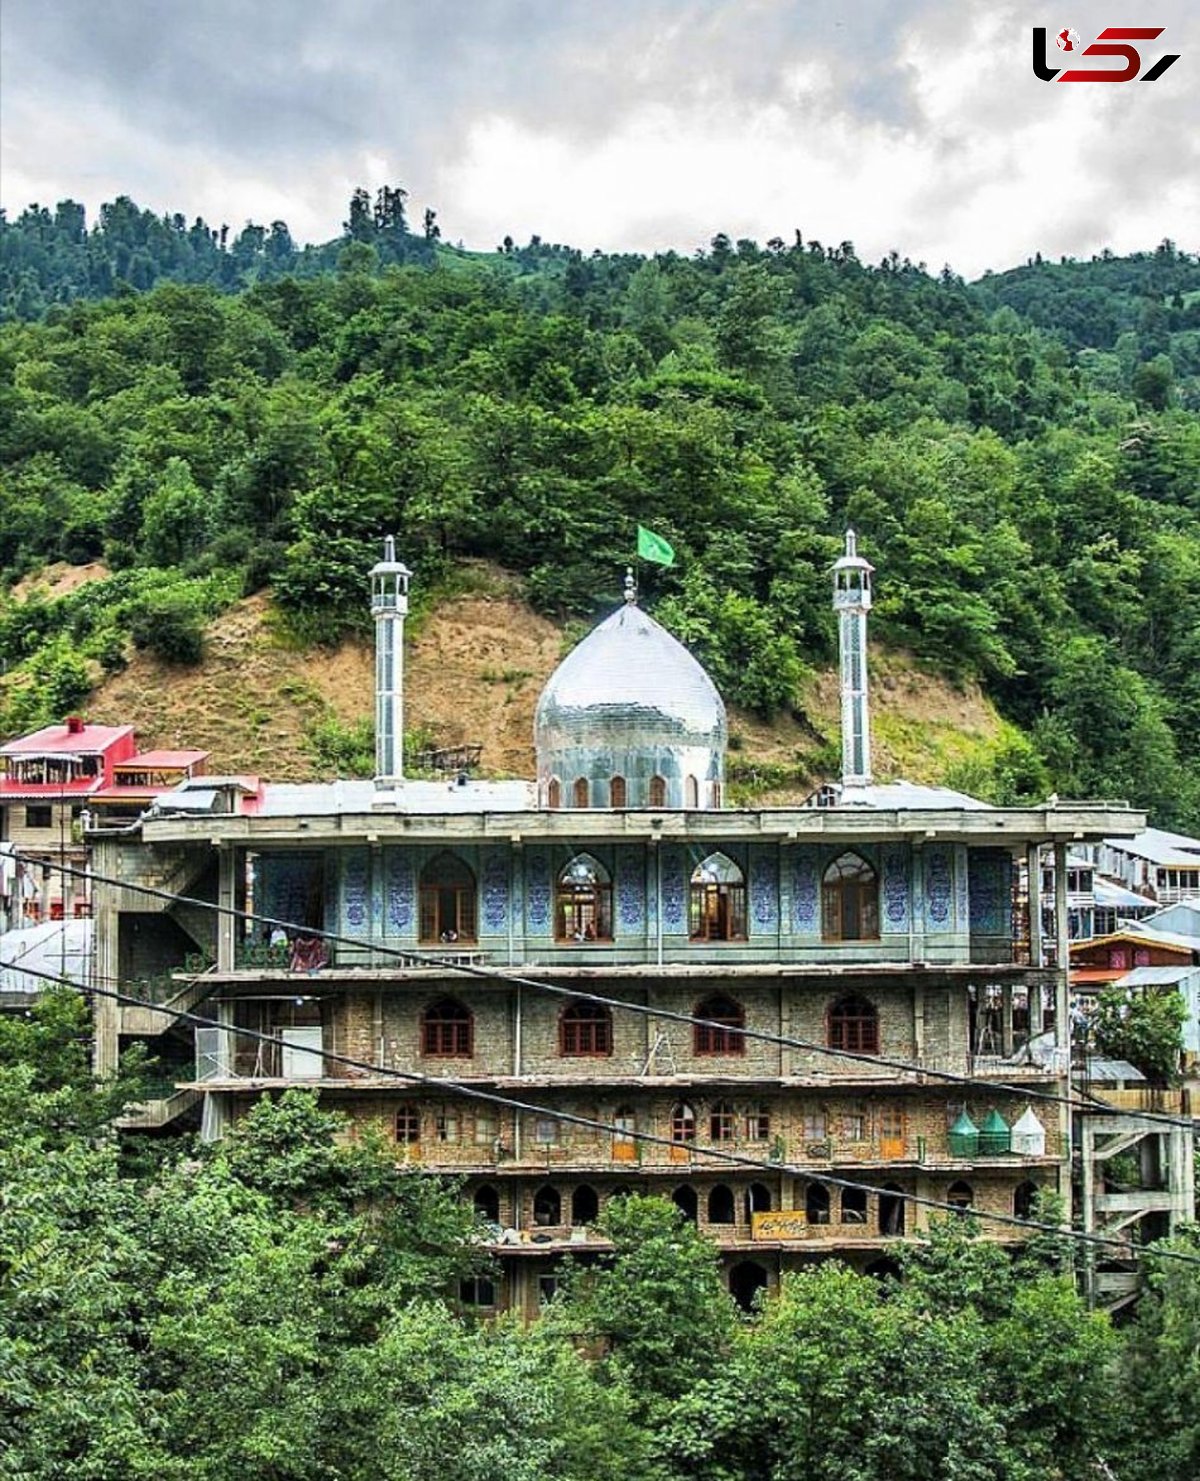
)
(1031, 498)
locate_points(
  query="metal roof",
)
(56, 740)
(1117, 897)
(1155, 976)
(1157, 846)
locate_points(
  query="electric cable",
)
(1090, 1103)
(740, 1159)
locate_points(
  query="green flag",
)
(652, 547)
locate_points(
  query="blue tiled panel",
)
(399, 895)
(495, 891)
(631, 891)
(806, 891)
(674, 889)
(538, 892)
(893, 903)
(990, 892)
(764, 890)
(287, 884)
(355, 893)
(961, 901)
(939, 888)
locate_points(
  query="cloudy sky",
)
(622, 124)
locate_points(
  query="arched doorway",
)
(891, 1210)
(745, 1282)
(684, 1198)
(487, 1203)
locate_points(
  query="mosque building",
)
(745, 1009)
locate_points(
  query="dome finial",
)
(630, 585)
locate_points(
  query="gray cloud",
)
(298, 93)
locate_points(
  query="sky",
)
(628, 125)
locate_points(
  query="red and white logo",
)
(1113, 41)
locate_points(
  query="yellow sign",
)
(786, 1224)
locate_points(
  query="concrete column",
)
(227, 900)
(1088, 1163)
(1006, 1020)
(1062, 1025)
(1033, 866)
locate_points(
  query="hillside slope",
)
(475, 667)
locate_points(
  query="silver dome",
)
(631, 701)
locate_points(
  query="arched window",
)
(447, 1030)
(585, 1206)
(617, 792)
(854, 1025)
(657, 794)
(850, 901)
(718, 901)
(716, 793)
(758, 1200)
(854, 1205)
(720, 1033)
(720, 1205)
(624, 1137)
(547, 1206)
(487, 1203)
(1024, 1200)
(721, 1121)
(891, 1210)
(816, 1204)
(579, 792)
(583, 906)
(960, 1195)
(553, 792)
(684, 1198)
(585, 1031)
(683, 1123)
(691, 792)
(447, 900)
(408, 1124)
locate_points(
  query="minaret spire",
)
(389, 608)
(630, 586)
(852, 602)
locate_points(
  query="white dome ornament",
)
(630, 719)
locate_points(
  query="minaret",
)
(389, 608)
(852, 602)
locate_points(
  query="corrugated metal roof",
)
(1157, 846)
(1155, 976)
(1109, 1071)
(1117, 897)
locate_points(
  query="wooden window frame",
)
(553, 793)
(407, 1124)
(581, 792)
(854, 1032)
(722, 1122)
(461, 891)
(585, 1031)
(656, 792)
(447, 1034)
(726, 1035)
(618, 792)
(838, 887)
(683, 1124)
(578, 907)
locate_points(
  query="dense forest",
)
(1020, 456)
(284, 1306)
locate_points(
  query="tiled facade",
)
(946, 953)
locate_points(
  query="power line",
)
(1090, 1103)
(739, 1159)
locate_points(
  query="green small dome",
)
(995, 1139)
(964, 1136)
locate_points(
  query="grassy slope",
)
(476, 663)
